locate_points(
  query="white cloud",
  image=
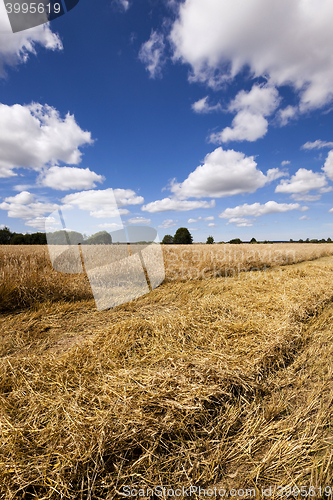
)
(168, 223)
(285, 162)
(127, 197)
(304, 217)
(287, 42)
(302, 182)
(66, 178)
(108, 213)
(317, 145)
(249, 123)
(192, 221)
(151, 54)
(274, 173)
(257, 210)
(202, 106)
(34, 136)
(174, 204)
(211, 217)
(211, 224)
(328, 167)
(331, 210)
(240, 222)
(102, 202)
(24, 206)
(39, 222)
(306, 197)
(139, 220)
(224, 173)
(15, 48)
(124, 4)
(284, 116)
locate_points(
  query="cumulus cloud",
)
(152, 52)
(24, 206)
(240, 222)
(287, 42)
(212, 224)
(317, 145)
(284, 163)
(251, 107)
(175, 204)
(304, 217)
(15, 48)
(168, 223)
(104, 203)
(66, 178)
(34, 136)
(39, 223)
(211, 217)
(202, 106)
(284, 116)
(331, 210)
(302, 182)
(224, 173)
(257, 210)
(139, 220)
(328, 167)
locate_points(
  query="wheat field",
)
(27, 276)
(221, 380)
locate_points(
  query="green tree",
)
(210, 240)
(235, 241)
(5, 236)
(183, 237)
(17, 239)
(253, 240)
(329, 240)
(100, 238)
(167, 240)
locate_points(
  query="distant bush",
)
(235, 241)
(210, 240)
(167, 240)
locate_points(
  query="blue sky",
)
(215, 115)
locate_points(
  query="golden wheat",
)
(218, 383)
(27, 276)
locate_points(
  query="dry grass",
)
(27, 276)
(204, 261)
(218, 383)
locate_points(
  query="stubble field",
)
(222, 377)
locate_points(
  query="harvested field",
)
(218, 383)
(27, 276)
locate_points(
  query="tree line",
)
(181, 237)
(184, 237)
(57, 238)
